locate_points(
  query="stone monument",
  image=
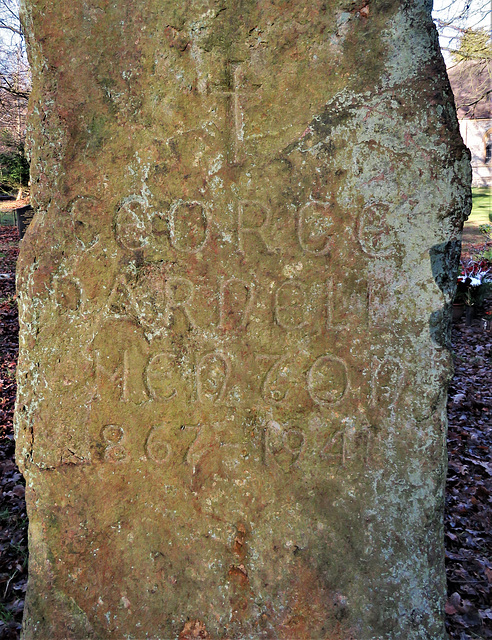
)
(234, 302)
(23, 218)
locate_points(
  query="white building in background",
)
(471, 81)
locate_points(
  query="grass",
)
(4, 515)
(5, 614)
(7, 218)
(481, 214)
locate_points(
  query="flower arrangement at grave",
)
(475, 279)
(474, 282)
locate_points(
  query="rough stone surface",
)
(234, 307)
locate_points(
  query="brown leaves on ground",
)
(468, 523)
(11, 205)
(469, 486)
(13, 518)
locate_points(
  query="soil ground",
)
(468, 518)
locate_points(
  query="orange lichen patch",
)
(239, 575)
(309, 602)
(194, 629)
(239, 547)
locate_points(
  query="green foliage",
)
(484, 252)
(14, 166)
(4, 515)
(475, 44)
(7, 218)
(14, 171)
(482, 207)
(5, 615)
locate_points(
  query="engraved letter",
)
(84, 218)
(248, 214)
(117, 371)
(157, 377)
(179, 292)
(316, 228)
(290, 303)
(193, 453)
(120, 356)
(132, 226)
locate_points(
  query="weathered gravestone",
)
(234, 303)
(23, 218)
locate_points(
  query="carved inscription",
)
(158, 377)
(316, 228)
(350, 443)
(212, 376)
(188, 226)
(138, 377)
(116, 371)
(132, 224)
(253, 222)
(120, 354)
(83, 211)
(180, 293)
(114, 438)
(193, 452)
(331, 322)
(230, 90)
(172, 300)
(275, 383)
(283, 445)
(227, 337)
(120, 302)
(290, 304)
(327, 380)
(158, 301)
(157, 447)
(387, 380)
(236, 302)
(160, 444)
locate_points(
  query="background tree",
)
(474, 44)
(454, 17)
(463, 27)
(15, 86)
